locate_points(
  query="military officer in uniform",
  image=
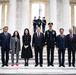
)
(50, 41)
(43, 24)
(34, 24)
(39, 22)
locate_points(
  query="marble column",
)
(59, 15)
(53, 13)
(3, 16)
(19, 15)
(63, 15)
(7, 13)
(72, 15)
(0, 15)
(66, 15)
(25, 14)
(12, 15)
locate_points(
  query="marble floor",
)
(31, 70)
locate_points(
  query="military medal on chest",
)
(53, 32)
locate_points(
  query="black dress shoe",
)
(3, 65)
(52, 65)
(36, 65)
(40, 65)
(7, 65)
(69, 65)
(25, 64)
(63, 65)
(73, 65)
(48, 65)
(59, 65)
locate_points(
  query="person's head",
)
(38, 29)
(71, 30)
(26, 31)
(50, 25)
(43, 18)
(39, 17)
(5, 29)
(61, 30)
(34, 17)
(16, 34)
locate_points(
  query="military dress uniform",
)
(50, 38)
(43, 25)
(39, 22)
(34, 25)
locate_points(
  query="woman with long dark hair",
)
(15, 47)
(26, 48)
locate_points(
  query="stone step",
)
(44, 55)
(44, 50)
(37, 74)
(44, 58)
(31, 70)
(33, 62)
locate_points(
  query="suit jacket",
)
(50, 38)
(71, 43)
(5, 40)
(38, 41)
(12, 45)
(61, 42)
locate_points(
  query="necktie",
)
(71, 36)
(38, 35)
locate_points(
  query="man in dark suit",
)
(39, 22)
(61, 47)
(50, 41)
(43, 24)
(34, 24)
(71, 42)
(5, 45)
(38, 43)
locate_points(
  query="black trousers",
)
(39, 51)
(34, 27)
(43, 28)
(50, 61)
(71, 57)
(61, 56)
(5, 58)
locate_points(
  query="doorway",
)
(38, 8)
